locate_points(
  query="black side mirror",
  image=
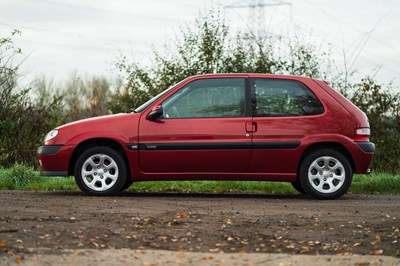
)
(155, 113)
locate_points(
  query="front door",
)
(203, 129)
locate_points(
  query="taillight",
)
(362, 134)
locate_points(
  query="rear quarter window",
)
(277, 97)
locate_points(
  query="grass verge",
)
(25, 178)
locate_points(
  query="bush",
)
(209, 47)
(382, 107)
(23, 122)
(18, 176)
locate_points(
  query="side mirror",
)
(155, 113)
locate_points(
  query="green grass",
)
(214, 186)
(25, 178)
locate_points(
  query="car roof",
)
(249, 75)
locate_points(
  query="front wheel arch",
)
(89, 143)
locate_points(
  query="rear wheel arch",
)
(84, 145)
(326, 145)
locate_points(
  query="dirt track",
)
(229, 223)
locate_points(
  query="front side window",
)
(277, 97)
(224, 97)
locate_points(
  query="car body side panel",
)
(336, 123)
(194, 145)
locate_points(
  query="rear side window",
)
(278, 97)
(224, 97)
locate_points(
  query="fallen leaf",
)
(3, 245)
(290, 246)
(182, 215)
(377, 252)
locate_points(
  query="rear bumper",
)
(362, 154)
(54, 159)
(366, 146)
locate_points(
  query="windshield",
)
(144, 106)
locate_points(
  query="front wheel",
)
(100, 171)
(325, 174)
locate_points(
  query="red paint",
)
(337, 125)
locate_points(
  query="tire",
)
(128, 183)
(100, 171)
(298, 187)
(325, 174)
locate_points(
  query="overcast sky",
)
(61, 36)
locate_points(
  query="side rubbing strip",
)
(213, 146)
(196, 146)
(276, 145)
(132, 146)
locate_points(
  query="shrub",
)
(18, 176)
(23, 122)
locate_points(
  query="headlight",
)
(51, 135)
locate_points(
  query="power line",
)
(257, 14)
(350, 25)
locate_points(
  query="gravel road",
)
(57, 222)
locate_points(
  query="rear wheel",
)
(100, 171)
(325, 174)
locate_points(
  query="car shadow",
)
(173, 194)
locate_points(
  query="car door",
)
(284, 112)
(202, 129)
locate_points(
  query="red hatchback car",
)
(220, 127)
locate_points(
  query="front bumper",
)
(54, 159)
(53, 149)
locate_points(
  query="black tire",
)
(332, 171)
(128, 183)
(113, 165)
(298, 187)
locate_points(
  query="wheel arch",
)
(106, 142)
(327, 145)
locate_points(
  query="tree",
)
(210, 48)
(23, 122)
(382, 107)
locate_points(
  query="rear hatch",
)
(362, 131)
